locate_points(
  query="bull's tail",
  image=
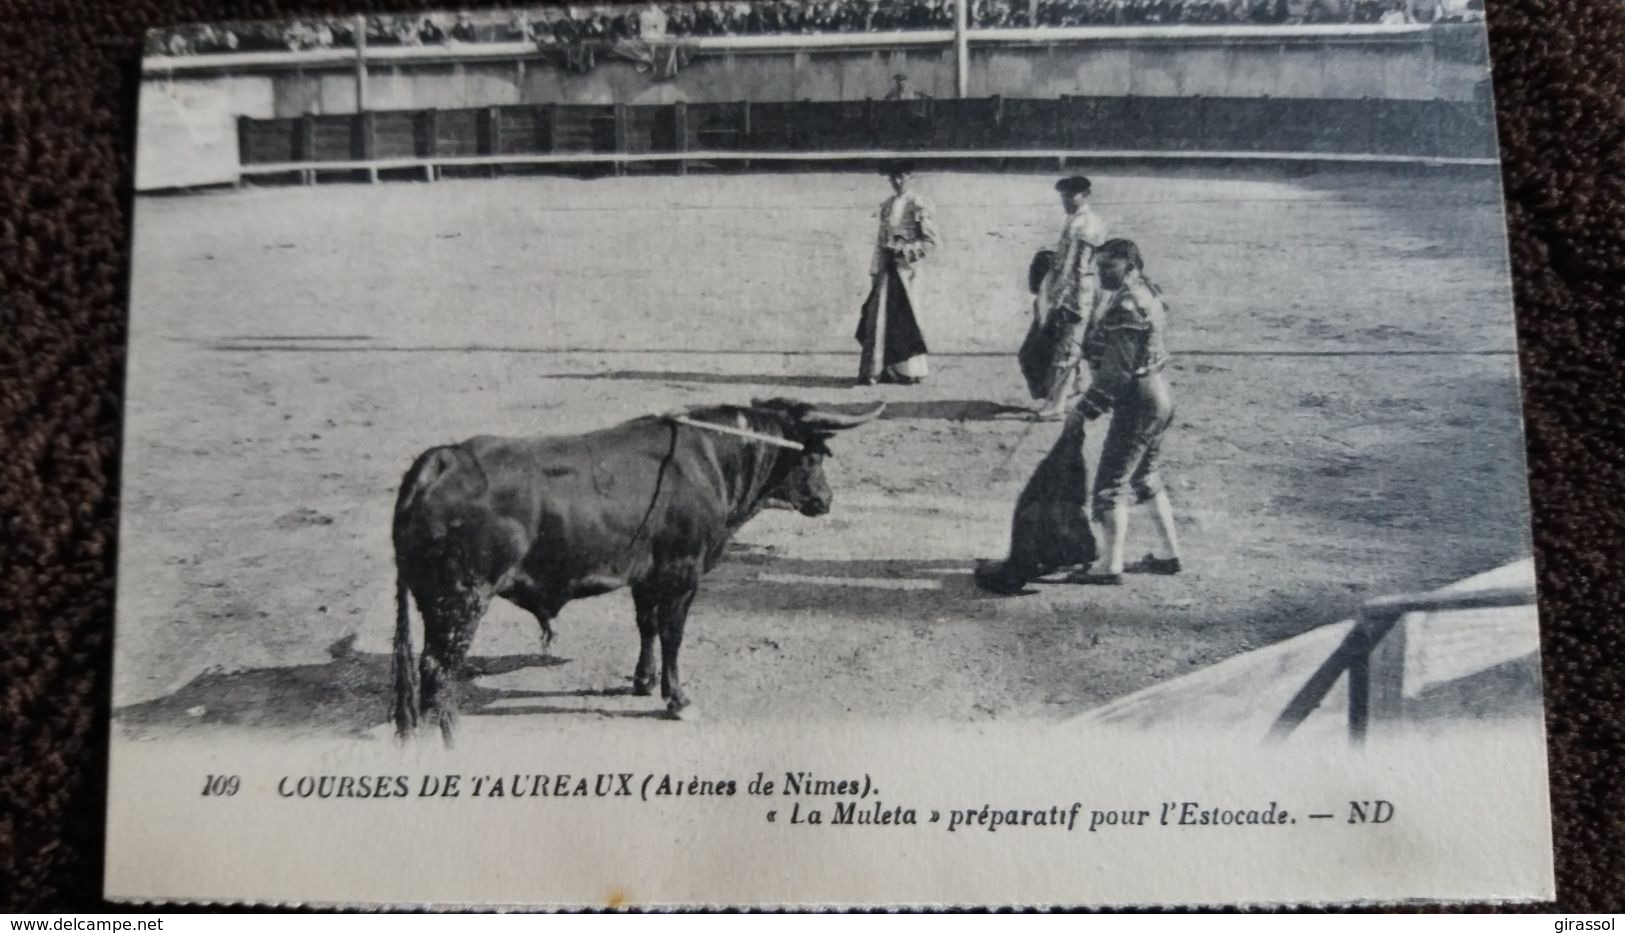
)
(406, 664)
(457, 475)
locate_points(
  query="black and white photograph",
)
(576, 380)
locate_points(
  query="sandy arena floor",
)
(1347, 426)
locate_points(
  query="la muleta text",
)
(805, 799)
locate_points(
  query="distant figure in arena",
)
(652, 22)
(1396, 15)
(1067, 295)
(901, 90)
(1326, 11)
(1127, 351)
(889, 331)
(520, 28)
(430, 32)
(1426, 11)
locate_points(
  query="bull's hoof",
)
(642, 688)
(406, 720)
(681, 711)
(448, 731)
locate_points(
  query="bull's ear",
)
(836, 421)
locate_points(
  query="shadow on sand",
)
(655, 711)
(348, 695)
(760, 582)
(953, 410)
(930, 409)
(351, 693)
(729, 379)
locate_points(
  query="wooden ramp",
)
(1466, 662)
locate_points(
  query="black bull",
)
(539, 521)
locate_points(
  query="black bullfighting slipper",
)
(1162, 566)
(1090, 578)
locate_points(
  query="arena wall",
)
(191, 107)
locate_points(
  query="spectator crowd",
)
(608, 24)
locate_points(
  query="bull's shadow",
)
(349, 695)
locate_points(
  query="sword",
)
(1002, 471)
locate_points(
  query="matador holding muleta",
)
(1097, 348)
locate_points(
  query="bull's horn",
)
(835, 421)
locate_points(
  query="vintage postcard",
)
(826, 453)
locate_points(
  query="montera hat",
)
(1073, 184)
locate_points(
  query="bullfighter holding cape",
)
(1126, 348)
(1066, 289)
(893, 347)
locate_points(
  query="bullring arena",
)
(1347, 427)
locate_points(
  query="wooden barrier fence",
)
(1373, 657)
(681, 133)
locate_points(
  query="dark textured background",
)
(68, 82)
